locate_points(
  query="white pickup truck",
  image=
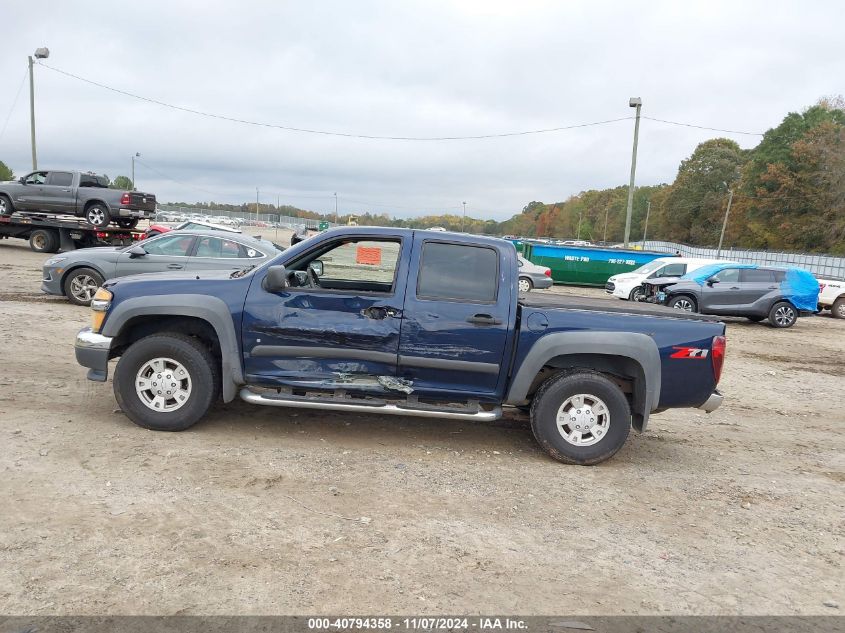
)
(832, 297)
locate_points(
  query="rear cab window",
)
(60, 178)
(458, 272)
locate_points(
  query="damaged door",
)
(337, 326)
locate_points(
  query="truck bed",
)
(552, 301)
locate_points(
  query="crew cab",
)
(76, 193)
(399, 322)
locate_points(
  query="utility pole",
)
(40, 53)
(335, 208)
(645, 230)
(633, 102)
(464, 218)
(725, 222)
(256, 204)
(606, 212)
(578, 237)
(137, 154)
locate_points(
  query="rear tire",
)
(586, 400)
(684, 303)
(524, 284)
(783, 315)
(80, 285)
(837, 310)
(131, 223)
(98, 215)
(43, 241)
(6, 207)
(166, 382)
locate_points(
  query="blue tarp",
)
(799, 286)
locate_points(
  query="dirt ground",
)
(273, 511)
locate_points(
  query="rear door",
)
(455, 318)
(58, 192)
(754, 284)
(168, 252)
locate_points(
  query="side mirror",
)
(712, 281)
(276, 279)
(317, 267)
(136, 251)
(22, 180)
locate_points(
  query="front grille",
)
(610, 286)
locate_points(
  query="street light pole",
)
(256, 204)
(335, 207)
(633, 102)
(138, 155)
(645, 230)
(40, 53)
(725, 222)
(464, 218)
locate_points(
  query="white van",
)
(627, 285)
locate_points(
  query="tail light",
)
(101, 235)
(717, 354)
(821, 287)
(124, 199)
(548, 272)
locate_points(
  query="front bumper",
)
(713, 402)
(92, 351)
(51, 282)
(134, 213)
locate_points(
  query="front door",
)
(456, 319)
(163, 253)
(337, 325)
(30, 197)
(721, 293)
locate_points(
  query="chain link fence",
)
(177, 213)
(823, 266)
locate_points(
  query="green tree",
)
(5, 172)
(122, 182)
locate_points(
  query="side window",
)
(174, 246)
(61, 178)
(218, 248)
(361, 261)
(459, 273)
(37, 178)
(778, 275)
(673, 270)
(730, 275)
(758, 275)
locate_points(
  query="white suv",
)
(628, 285)
(832, 297)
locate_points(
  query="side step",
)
(385, 409)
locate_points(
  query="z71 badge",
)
(689, 352)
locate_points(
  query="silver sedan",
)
(78, 274)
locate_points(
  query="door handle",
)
(66, 190)
(773, 287)
(381, 312)
(483, 319)
(175, 266)
(734, 287)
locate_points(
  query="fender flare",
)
(213, 310)
(637, 347)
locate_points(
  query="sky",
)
(407, 68)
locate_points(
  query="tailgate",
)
(139, 200)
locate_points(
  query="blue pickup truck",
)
(399, 322)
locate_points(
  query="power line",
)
(328, 133)
(702, 127)
(14, 103)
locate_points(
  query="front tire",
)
(580, 418)
(97, 215)
(684, 303)
(837, 310)
(166, 382)
(783, 315)
(636, 294)
(81, 284)
(524, 284)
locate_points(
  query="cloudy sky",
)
(406, 68)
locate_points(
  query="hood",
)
(97, 253)
(664, 281)
(166, 277)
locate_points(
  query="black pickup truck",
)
(399, 322)
(76, 193)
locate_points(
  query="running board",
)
(385, 409)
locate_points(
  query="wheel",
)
(129, 223)
(524, 284)
(43, 241)
(98, 215)
(636, 293)
(683, 302)
(166, 382)
(6, 207)
(782, 314)
(580, 418)
(81, 284)
(837, 310)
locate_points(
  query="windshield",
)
(648, 268)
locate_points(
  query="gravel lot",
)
(269, 511)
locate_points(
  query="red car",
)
(158, 229)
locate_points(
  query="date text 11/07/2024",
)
(415, 624)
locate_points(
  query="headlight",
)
(99, 306)
(54, 260)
